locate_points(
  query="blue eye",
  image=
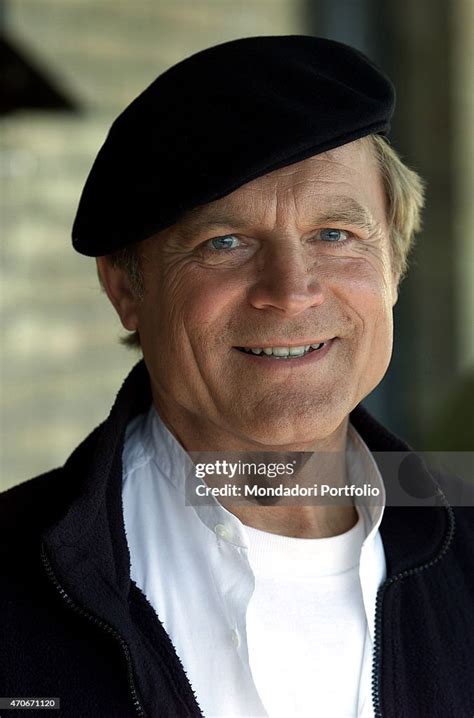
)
(225, 242)
(333, 235)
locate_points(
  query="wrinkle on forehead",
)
(343, 181)
(343, 156)
(359, 149)
(334, 166)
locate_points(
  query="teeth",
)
(284, 352)
(281, 351)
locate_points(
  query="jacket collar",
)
(418, 523)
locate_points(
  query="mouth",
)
(285, 353)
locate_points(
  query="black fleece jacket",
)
(74, 625)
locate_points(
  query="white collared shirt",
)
(243, 624)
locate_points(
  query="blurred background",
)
(68, 67)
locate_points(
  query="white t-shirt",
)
(306, 623)
(264, 625)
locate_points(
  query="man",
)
(251, 225)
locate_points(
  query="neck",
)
(303, 517)
(299, 521)
(290, 517)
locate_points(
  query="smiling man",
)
(251, 225)
(275, 306)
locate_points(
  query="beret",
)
(220, 118)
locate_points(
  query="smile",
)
(284, 353)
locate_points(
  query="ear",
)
(395, 285)
(117, 286)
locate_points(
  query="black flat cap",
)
(219, 119)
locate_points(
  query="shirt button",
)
(235, 638)
(223, 532)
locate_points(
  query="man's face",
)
(296, 258)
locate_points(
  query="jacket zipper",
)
(376, 664)
(173, 651)
(100, 624)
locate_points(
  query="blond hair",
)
(405, 194)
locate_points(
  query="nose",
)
(287, 282)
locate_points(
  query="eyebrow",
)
(347, 211)
(339, 209)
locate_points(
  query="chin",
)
(298, 428)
